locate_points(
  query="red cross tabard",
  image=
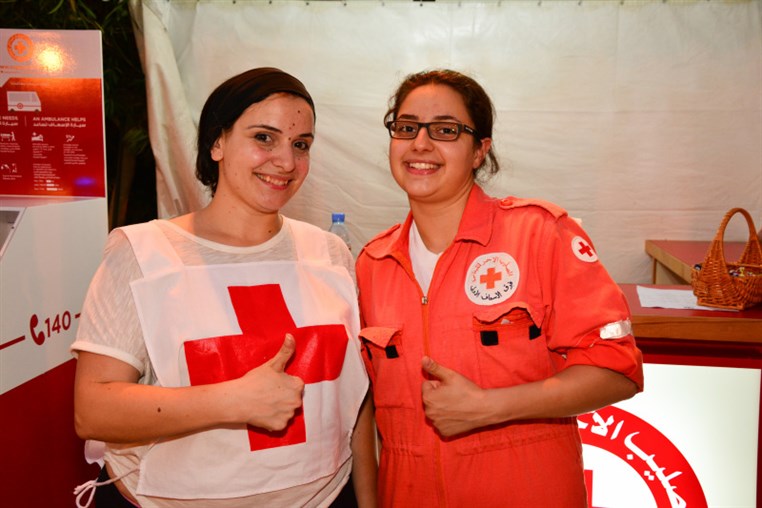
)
(265, 319)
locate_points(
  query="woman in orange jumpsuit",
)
(488, 324)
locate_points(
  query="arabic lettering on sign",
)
(662, 467)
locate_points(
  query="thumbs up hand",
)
(452, 402)
(269, 396)
(284, 354)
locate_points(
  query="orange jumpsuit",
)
(517, 297)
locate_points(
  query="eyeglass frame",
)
(461, 127)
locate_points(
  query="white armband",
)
(616, 330)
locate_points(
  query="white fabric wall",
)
(642, 118)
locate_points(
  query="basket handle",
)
(751, 253)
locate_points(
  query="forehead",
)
(280, 110)
(432, 101)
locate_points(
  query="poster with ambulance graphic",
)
(51, 114)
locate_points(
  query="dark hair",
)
(226, 104)
(476, 100)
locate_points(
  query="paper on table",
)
(670, 299)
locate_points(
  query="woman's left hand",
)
(452, 402)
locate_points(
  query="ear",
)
(481, 151)
(216, 152)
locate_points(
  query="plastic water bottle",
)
(339, 228)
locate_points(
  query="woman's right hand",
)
(270, 396)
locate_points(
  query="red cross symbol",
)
(585, 249)
(490, 278)
(264, 319)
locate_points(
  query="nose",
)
(422, 140)
(284, 158)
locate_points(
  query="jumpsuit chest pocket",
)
(389, 360)
(510, 349)
(510, 346)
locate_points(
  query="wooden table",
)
(674, 259)
(735, 336)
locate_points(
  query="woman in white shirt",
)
(217, 352)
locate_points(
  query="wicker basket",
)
(717, 283)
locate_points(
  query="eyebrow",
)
(438, 118)
(275, 129)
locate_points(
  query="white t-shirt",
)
(109, 325)
(424, 261)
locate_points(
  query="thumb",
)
(430, 385)
(285, 353)
(436, 370)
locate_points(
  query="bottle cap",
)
(337, 217)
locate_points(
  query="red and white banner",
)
(689, 440)
(53, 225)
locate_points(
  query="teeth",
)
(273, 180)
(423, 165)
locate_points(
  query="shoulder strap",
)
(310, 241)
(513, 202)
(152, 249)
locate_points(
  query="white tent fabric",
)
(642, 118)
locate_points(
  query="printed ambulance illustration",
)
(24, 101)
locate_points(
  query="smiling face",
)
(432, 171)
(264, 158)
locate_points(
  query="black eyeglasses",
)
(440, 131)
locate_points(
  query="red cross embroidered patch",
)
(583, 250)
(491, 278)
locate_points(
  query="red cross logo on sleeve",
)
(264, 319)
(583, 250)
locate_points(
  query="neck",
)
(231, 227)
(438, 223)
